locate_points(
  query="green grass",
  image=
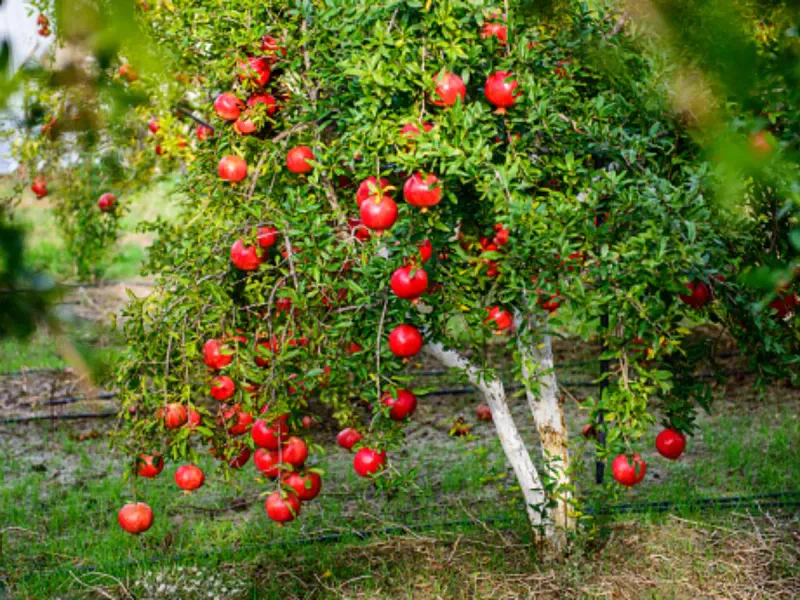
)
(72, 526)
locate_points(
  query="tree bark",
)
(541, 390)
(517, 454)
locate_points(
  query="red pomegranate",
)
(784, 305)
(264, 348)
(175, 415)
(423, 190)
(670, 443)
(409, 282)
(267, 236)
(353, 348)
(297, 159)
(367, 461)
(271, 48)
(270, 434)
(267, 462)
(245, 258)
(216, 355)
(204, 132)
(495, 30)
(483, 412)
(449, 89)
(628, 472)
(222, 388)
(402, 406)
(379, 213)
(699, 294)
(282, 508)
(232, 168)
(359, 230)
(159, 150)
(411, 131)
(153, 125)
(502, 319)
(425, 251)
(295, 452)
(149, 465)
(307, 486)
(405, 341)
(228, 106)
(189, 477)
(370, 187)
(348, 438)
(107, 202)
(244, 124)
(501, 90)
(239, 460)
(501, 235)
(266, 99)
(39, 186)
(135, 518)
(237, 420)
(256, 70)
(194, 419)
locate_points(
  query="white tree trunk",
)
(517, 454)
(541, 390)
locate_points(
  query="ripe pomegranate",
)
(245, 258)
(266, 99)
(348, 438)
(256, 70)
(267, 236)
(353, 348)
(409, 282)
(267, 462)
(423, 191)
(222, 388)
(128, 72)
(501, 318)
(264, 348)
(367, 461)
(244, 125)
(495, 30)
(307, 487)
(216, 355)
(153, 125)
(785, 304)
(483, 412)
(501, 235)
(228, 106)
(204, 132)
(149, 465)
(670, 443)
(379, 213)
(359, 230)
(501, 90)
(425, 251)
(297, 159)
(135, 518)
(628, 472)
(270, 434)
(308, 422)
(175, 415)
(699, 294)
(449, 89)
(271, 48)
(402, 406)
(411, 131)
(39, 186)
(405, 341)
(295, 452)
(189, 477)
(282, 508)
(107, 202)
(240, 459)
(194, 419)
(241, 420)
(232, 168)
(370, 187)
